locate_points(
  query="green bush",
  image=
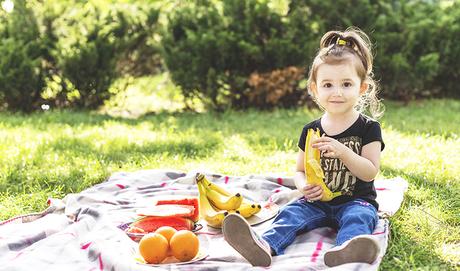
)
(407, 55)
(212, 47)
(141, 54)
(70, 52)
(413, 41)
(449, 52)
(92, 44)
(211, 50)
(89, 47)
(21, 59)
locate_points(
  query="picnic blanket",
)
(80, 231)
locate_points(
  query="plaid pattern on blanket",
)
(80, 231)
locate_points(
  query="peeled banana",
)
(313, 171)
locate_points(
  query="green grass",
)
(51, 154)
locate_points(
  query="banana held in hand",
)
(313, 171)
(212, 217)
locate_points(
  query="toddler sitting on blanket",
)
(340, 81)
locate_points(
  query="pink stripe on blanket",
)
(226, 179)
(85, 246)
(101, 264)
(280, 181)
(120, 185)
(270, 200)
(315, 254)
(17, 255)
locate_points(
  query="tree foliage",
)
(22, 74)
(69, 53)
(211, 50)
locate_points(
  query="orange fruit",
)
(184, 245)
(166, 231)
(153, 247)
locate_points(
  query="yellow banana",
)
(313, 171)
(223, 202)
(247, 209)
(219, 197)
(212, 217)
(213, 186)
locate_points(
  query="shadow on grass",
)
(115, 151)
(279, 128)
(426, 117)
(239, 120)
(42, 120)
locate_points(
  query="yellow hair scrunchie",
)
(341, 42)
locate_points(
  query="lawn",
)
(51, 154)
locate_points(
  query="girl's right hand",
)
(312, 192)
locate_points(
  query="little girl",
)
(341, 83)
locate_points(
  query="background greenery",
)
(73, 51)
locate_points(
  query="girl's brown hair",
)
(352, 45)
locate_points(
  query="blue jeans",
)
(352, 218)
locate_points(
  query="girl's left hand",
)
(330, 147)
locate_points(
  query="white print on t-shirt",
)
(336, 175)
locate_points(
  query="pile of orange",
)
(165, 241)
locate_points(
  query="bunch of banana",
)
(313, 171)
(216, 202)
(246, 208)
(213, 217)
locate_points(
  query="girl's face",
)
(338, 88)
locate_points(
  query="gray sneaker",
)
(238, 233)
(361, 249)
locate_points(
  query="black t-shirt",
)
(337, 177)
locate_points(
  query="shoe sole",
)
(237, 233)
(361, 249)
